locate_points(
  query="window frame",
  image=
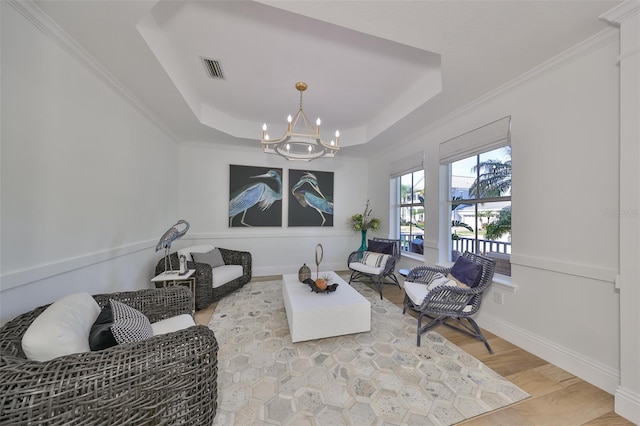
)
(400, 204)
(475, 201)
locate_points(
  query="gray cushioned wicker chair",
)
(387, 272)
(205, 293)
(167, 379)
(449, 305)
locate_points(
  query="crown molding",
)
(621, 12)
(591, 44)
(51, 29)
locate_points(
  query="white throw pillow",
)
(418, 291)
(61, 329)
(361, 267)
(226, 273)
(377, 260)
(213, 258)
(172, 324)
(437, 280)
(203, 248)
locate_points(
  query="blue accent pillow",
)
(467, 272)
(380, 247)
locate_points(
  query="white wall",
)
(85, 178)
(204, 200)
(84, 175)
(88, 181)
(565, 185)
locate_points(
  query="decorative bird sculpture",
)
(312, 196)
(168, 237)
(258, 193)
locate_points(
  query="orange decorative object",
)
(321, 283)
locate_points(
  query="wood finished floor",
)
(557, 397)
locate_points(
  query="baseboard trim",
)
(589, 370)
(627, 404)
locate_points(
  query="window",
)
(480, 200)
(410, 205)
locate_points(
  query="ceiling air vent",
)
(214, 70)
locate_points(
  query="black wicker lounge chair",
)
(167, 379)
(205, 292)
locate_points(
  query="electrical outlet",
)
(498, 297)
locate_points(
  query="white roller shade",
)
(484, 138)
(409, 164)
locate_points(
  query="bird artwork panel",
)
(255, 196)
(310, 198)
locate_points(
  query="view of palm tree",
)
(494, 179)
(481, 204)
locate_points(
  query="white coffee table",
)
(318, 315)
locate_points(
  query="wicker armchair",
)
(205, 293)
(168, 379)
(358, 272)
(446, 303)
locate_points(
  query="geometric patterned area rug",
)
(373, 378)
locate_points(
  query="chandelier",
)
(302, 140)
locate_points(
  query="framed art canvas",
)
(255, 196)
(310, 198)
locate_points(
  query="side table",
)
(172, 278)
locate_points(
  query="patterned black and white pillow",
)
(129, 324)
(377, 260)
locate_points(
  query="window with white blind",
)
(479, 166)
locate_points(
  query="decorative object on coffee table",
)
(322, 288)
(319, 256)
(304, 272)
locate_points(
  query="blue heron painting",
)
(313, 195)
(253, 193)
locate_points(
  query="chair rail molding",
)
(600, 273)
(18, 278)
